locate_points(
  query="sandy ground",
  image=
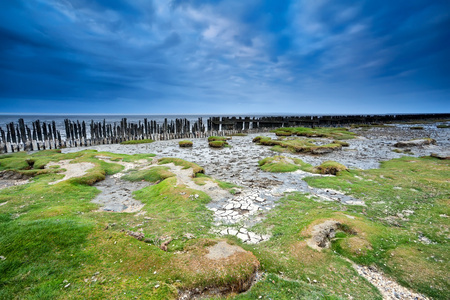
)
(72, 170)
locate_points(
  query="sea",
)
(110, 118)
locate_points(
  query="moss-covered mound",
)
(279, 164)
(215, 267)
(217, 144)
(339, 133)
(185, 143)
(217, 138)
(153, 174)
(134, 142)
(298, 145)
(331, 167)
(181, 162)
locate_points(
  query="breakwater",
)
(18, 136)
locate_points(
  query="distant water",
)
(116, 118)
(109, 119)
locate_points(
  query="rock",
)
(13, 175)
(188, 236)
(137, 235)
(322, 234)
(441, 155)
(320, 150)
(165, 244)
(415, 143)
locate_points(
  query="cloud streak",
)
(225, 56)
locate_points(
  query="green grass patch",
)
(282, 164)
(218, 144)
(181, 162)
(309, 272)
(134, 142)
(216, 138)
(177, 208)
(185, 143)
(153, 174)
(408, 197)
(298, 145)
(338, 133)
(238, 134)
(331, 167)
(342, 143)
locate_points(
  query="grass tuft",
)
(185, 143)
(134, 142)
(181, 162)
(331, 167)
(153, 174)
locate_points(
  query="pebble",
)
(389, 289)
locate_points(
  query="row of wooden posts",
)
(45, 135)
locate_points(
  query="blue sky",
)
(212, 56)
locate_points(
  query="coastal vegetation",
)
(338, 133)
(57, 244)
(185, 143)
(410, 209)
(298, 145)
(153, 174)
(283, 164)
(331, 167)
(134, 142)
(218, 141)
(183, 163)
(279, 164)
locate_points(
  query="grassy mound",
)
(216, 138)
(238, 134)
(282, 164)
(134, 142)
(185, 143)
(217, 144)
(331, 167)
(181, 162)
(338, 133)
(218, 141)
(298, 145)
(152, 175)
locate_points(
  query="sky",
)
(225, 56)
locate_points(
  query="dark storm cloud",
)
(192, 51)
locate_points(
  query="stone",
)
(322, 234)
(242, 236)
(415, 143)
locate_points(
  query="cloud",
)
(233, 51)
